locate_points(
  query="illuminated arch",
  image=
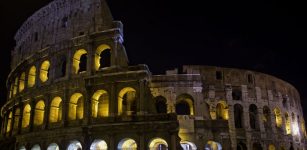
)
(32, 76)
(55, 114)
(98, 59)
(26, 115)
(100, 104)
(44, 71)
(99, 145)
(76, 107)
(36, 147)
(161, 105)
(9, 122)
(158, 144)
(127, 101)
(80, 61)
(185, 105)
(272, 147)
(127, 144)
(22, 148)
(188, 145)
(222, 111)
(287, 123)
(16, 119)
(74, 145)
(22, 82)
(53, 146)
(238, 115)
(278, 117)
(212, 145)
(15, 86)
(39, 113)
(11, 90)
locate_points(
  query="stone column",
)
(232, 128)
(141, 106)
(113, 100)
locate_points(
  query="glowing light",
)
(32, 76)
(76, 107)
(39, 113)
(53, 146)
(76, 60)
(130, 98)
(74, 145)
(127, 144)
(56, 110)
(99, 50)
(22, 82)
(278, 117)
(100, 104)
(295, 128)
(26, 116)
(188, 145)
(156, 143)
(44, 71)
(99, 145)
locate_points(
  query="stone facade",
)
(71, 88)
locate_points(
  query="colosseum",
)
(71, 87)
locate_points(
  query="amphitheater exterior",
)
(71, 87)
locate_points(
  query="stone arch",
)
(100, 104)
(221, 111)
(271, 147)
(26, 115)
(212, 145)
(185, 105)
(32, 76)
(9, 122)
(287, 123)
(39, 113)
(238, 116)
(22, 82)
(55, 114)
(278, 117)
(74, 145)
(99, 145)
(53, 146)
(267, 117)
(80, 61)
(253, 116)
(44, 71)
(160, 103)
(127, 144)
(102, 56)
(36, 147)
(158, 144)
(127, 103)
(16, 119)
(76, 107)
(186, 145)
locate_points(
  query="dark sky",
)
(267, 36)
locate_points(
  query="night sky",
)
(269, 36)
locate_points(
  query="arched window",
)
(9, 122)
(284, 102)
(15, 86)
(76, 107)
(22, 82)
(221, 111)
(160, 103)
(267, 117)
(44, 71)
(287, 124)
(188, 145)
(236, 94)
(39, 113)
(127, 103)
(253, 116)
(278, 117)
(212, 145)
(102, 57)
(99, 145)
(185, 105)
(80, 61)
(238, 112)
(74, 145)
(11, 90)
(16, 119)
(60, 70)
(26, 115)
(272, 147)
(100, 104)
(257, 146)
(158, 144)
(53, 146)
(127, 144)
(36, 147)
(32, 76)
(55, 110)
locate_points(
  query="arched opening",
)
(55, 110)
(9, 122)
(236, 94)
(287, 124)
(74, 145)
(99, 145)
(44, 71)
(184, 105)
(16, 119)
(26, 115)
(80, 61)
(257, 146)
(127, 103)
(76, 106)
(238, 112)
(11, 90)
(22, 148)
(32, 76)
(158, 144)
(188, 145)
(36, 147)
(266, 118)
(22, 82)
(221, 112)
(53, 146)
(39, 113)
(271, 147)
(100, 104)
(278, 118)
(127, 144)
(253, 116)
(160, 103)
(284, 102)
(212, 145)
(103, 57)
(15, 86)
(241, 146)
(60, 70)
